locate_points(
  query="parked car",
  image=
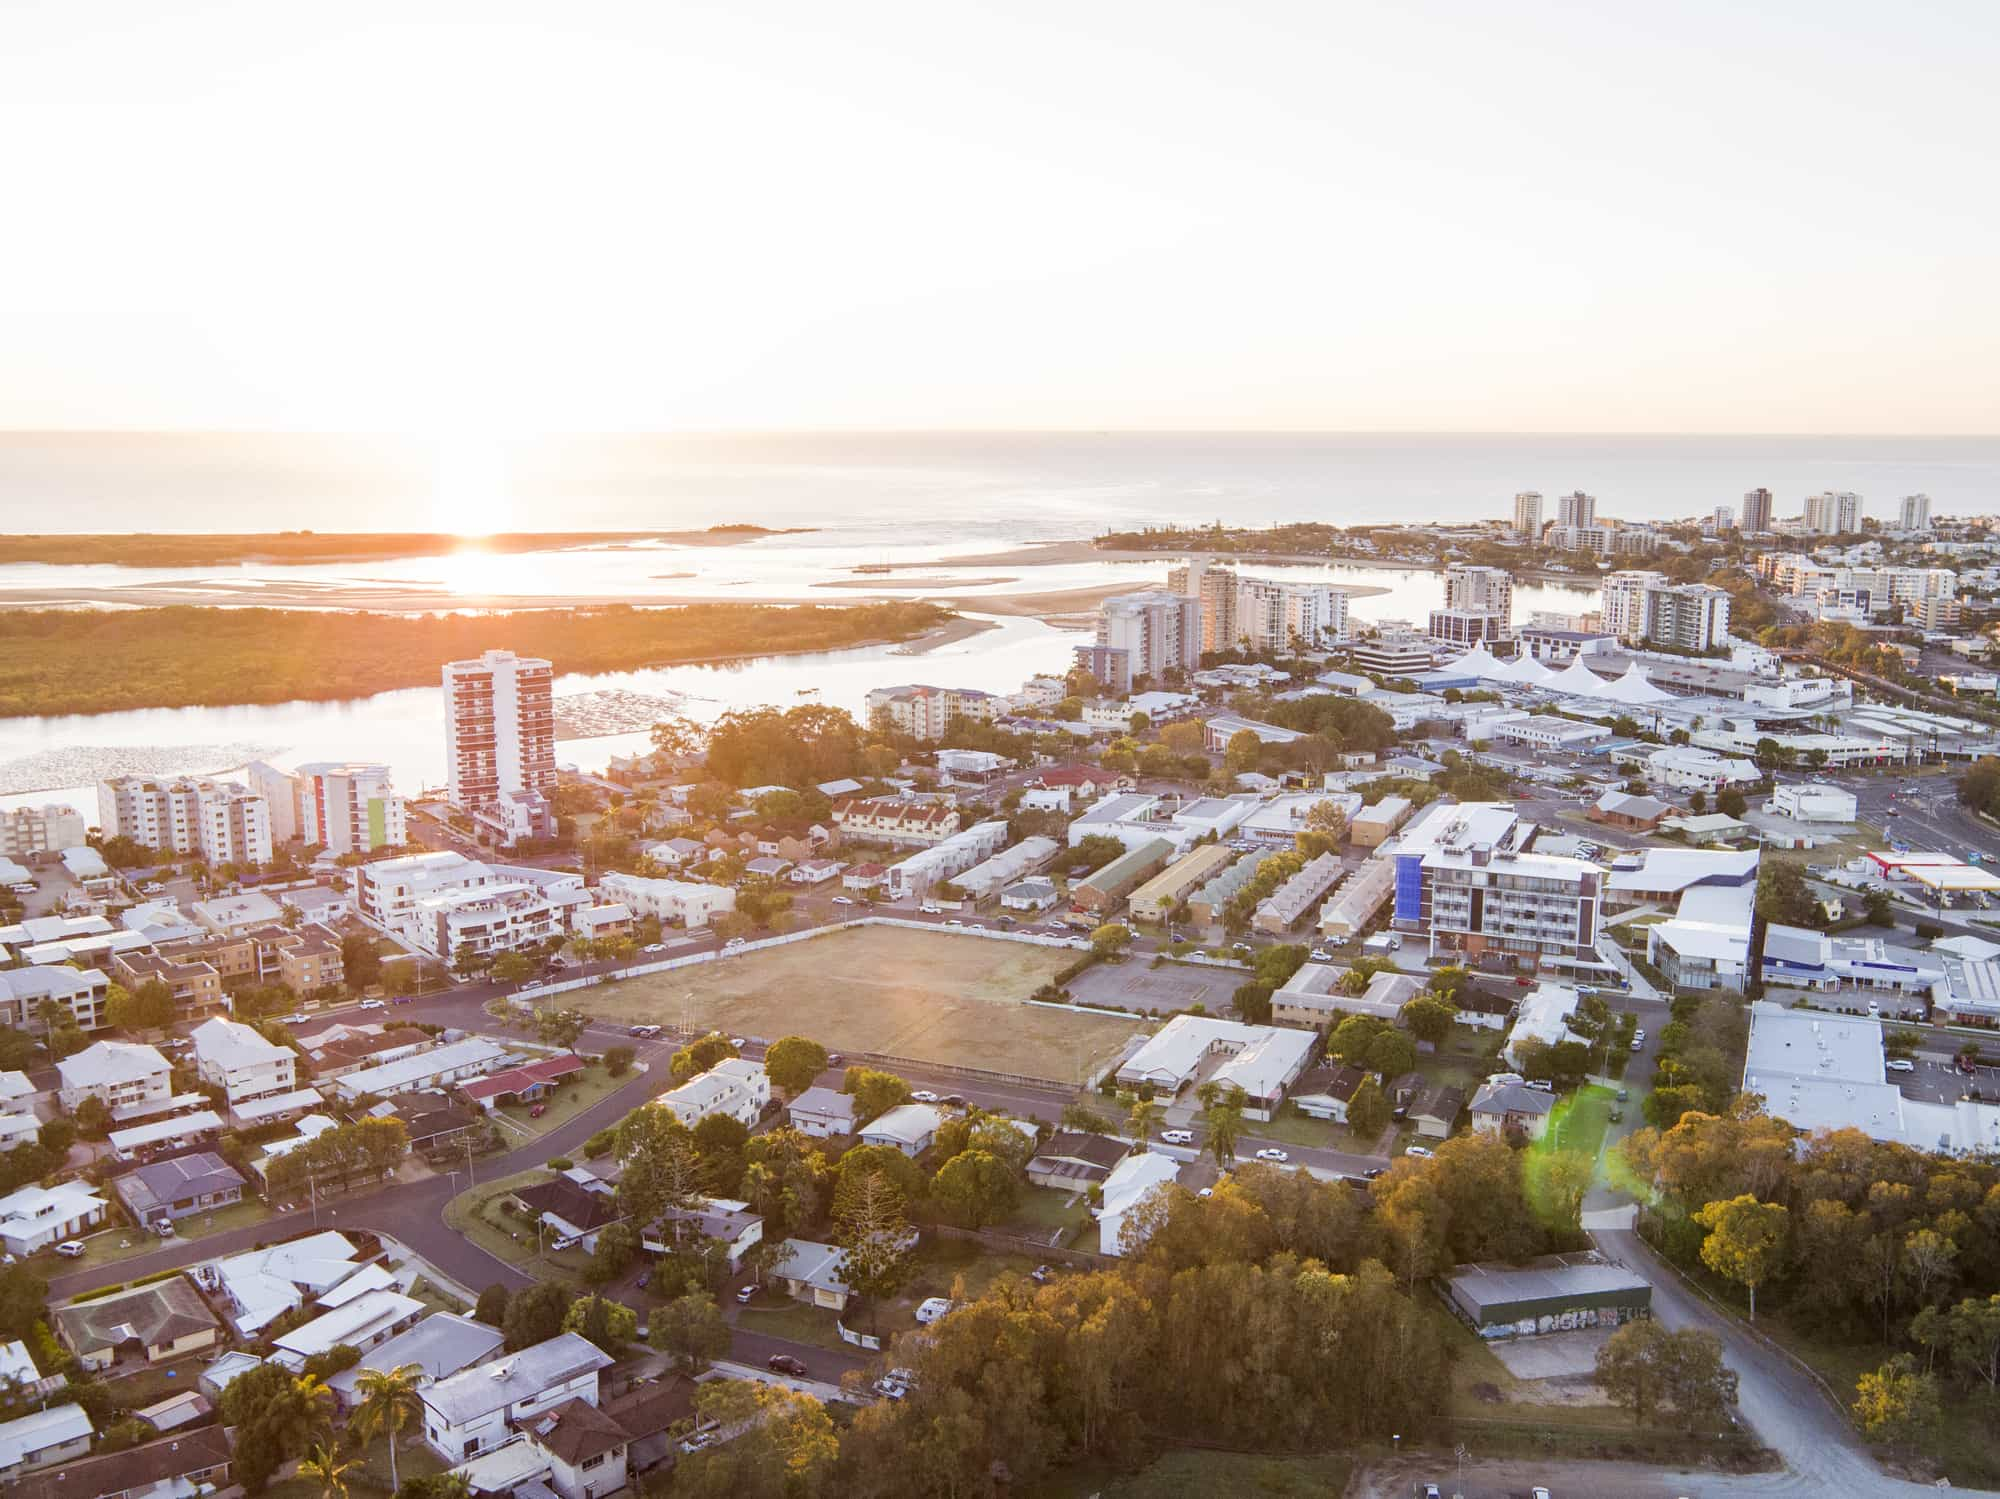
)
(698, 1441)
(1376, 1173)
(1417, 1151)
(1041, 1275)
(644, 1030)
(843, 900)
(745, 1295)
(890, 1389)
(784, 1363)
(739, 1042)
(732, 942)
(403, 999)
(70, 1249)
(295, 1018)
(932, 1309)
(924, 1095)
(1900, 1064)
(1177, 1136)
(538, 1110)
(372, 1004)
(1272, 1153)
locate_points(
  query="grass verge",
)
(1202, 1475)
(123, 1243)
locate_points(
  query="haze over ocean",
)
(977, 487)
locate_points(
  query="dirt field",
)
(932, 996)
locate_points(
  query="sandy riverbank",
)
(877, 583)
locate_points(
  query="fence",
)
(1011, 1243)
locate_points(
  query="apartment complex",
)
(1478, 607)
(445, 903)
(1757, 511)
(678, 902)
(1576, 510)
(1528, 514)
(236, 1059)
(1274, 616)
(223, 822)
(1158, 631)
(1642, 607)
(1468, 876)
(926, 712)
(500, 742)
(890, 819)
(1916, 513)
(1215, 589)
(349, 808)
(1836, 512)
(1879, 587)
(39, 830)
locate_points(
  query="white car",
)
(843, 900)
(70, 1249)
(295, 1018)
(1900, 1064)
(1177, 1136)
(1271, 1153)
(924, 1095)
(372, 1004)
(152, 887)
(732, 942)
(1417, 1151)
(933, 1309)
(1321, 957)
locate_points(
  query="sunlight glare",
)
(469, 495)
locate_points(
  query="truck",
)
(1382, 942)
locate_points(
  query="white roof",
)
(1978, 949)
(1804, 1043)
(1132, 1178)
(357, 1320)
(912, 1123)
(360, 1283)
(57, 1426)
(488, 1387)
(406, 1072)
(16, 1364)
(1578, 680)
(231, 1044)
(829, 1102)
(1264, 1055)
(106, 1062)
(1477, 662)
(277, 1103)
(266, 1282)
(165, 1129)
(1670, 870)
(1634, 687)
(249, 909)
(1544, 1015)
(813, 1263)
(32, 1207)
(15, 1085)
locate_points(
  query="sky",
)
(1414, 215)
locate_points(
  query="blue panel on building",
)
(1409, 887)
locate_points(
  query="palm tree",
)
(1142, 1115)
(324, 1467)
(388, 1402)
(1222, 1119)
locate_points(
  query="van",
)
(1900, 1064)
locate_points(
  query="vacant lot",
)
(930, 996)
(1136, 984)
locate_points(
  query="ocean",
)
(976, 488)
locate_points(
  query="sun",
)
(470, 493)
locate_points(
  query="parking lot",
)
(1136, 984)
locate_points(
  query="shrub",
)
(560, 1163)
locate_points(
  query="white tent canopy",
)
(1526, 671)
(1635, 688)
(1578, 680)
(1478, 662)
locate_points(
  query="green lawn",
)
(124, 1242)
(476, 1214)
(1204, 1475)
(578, 1092)
(369, 1477)
(1580, 1121)
(777, 1316)
(1043, 1209)
(156, 1382)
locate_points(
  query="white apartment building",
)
(944, 861)
(349, 808)
(39, 830)
(1916, 513)
(1721, 519)
(223, 822)
(1833, 513)
(1528, 514)
(1275, 616)
(1464, 876)
(1594, 539)
(500, 729)
(445, 902)
(1756, 511)
(1643, 606)
(117, 1072)
(282, 796)
(1395, 653)
(389, 890)
(1885, 586)
(1463, 629)
(479, 1408)
(1576, 510)
(734, 1086)
(1216, 588)
(81, 991)
(925, 712)
(1157, 630)
(678, 902)
(236, 1059)
(1480, 590)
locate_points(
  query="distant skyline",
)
(1439, 217)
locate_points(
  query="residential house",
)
(224, 1370)
(649, 1412)
(1035, 893)
(1544, 1016)
(80, 991)
(1634, 814)
(1262, 1060)
(1313, 996)
(181, 1131)
(1327, 1090)
(734, 1086)
(909, 1127)
(117, 1072)
(1505, 1103)
(354, 1318)
(437, 1068)
(238, 1060)
(1433, 1108)
(1073, 1162)
(676, 853)
(187, 1463)
(574, 1206)
(176, 1188)
(440, 1345)
(810, 872)
(348, 1048)
(35, 1217)
(166, 1319)
(44, 1438)
(475, 1409)
(18, 1372)
(885, 819)
(822, 1112)
(714, 1220)
(1282, 910)
(586, 1448)
(811, 1272)
(260, 1285)
(864, 877)
(675, 902)
(1130, 1183)
(187, 1408)
(524, 1084)
(1373, 826)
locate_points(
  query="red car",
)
(538, 1110)
(784, 1363)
